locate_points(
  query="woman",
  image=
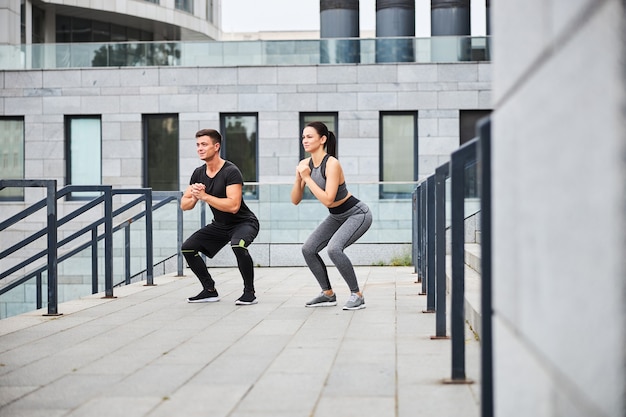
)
(348, 220)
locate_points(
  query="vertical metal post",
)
(179, 235)
(430, 220)
(423, 233)
(484, 175)
(458, 264)
(440, 262)
(39, 283)
(94, 260)
(108, 242)
(51, 203)
(418, 233)
(202, 224)
(127, 254)
(457, 315)
(414, 253)
(149, 240)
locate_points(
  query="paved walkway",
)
(149, 353)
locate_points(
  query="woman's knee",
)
(335, 252)
(308, 250)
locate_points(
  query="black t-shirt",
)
(229, 174)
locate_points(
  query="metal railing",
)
(430, 252)
(246, 53)
(105, 222)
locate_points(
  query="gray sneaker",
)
(354, 302)
(323, 300)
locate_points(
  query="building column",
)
(395, 18)
(339, 22)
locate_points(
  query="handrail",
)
(430, 251)
(107, 219)
(51, 207)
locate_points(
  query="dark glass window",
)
(73, 29)
(239, 145)
(467, 123)
(398, 153)
(329, 119)
(161, 152)
(186, 5)
(12, 155)
(467, 131)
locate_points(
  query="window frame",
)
(250, 192)
(20, 194)
(303, 123)
(68, 155)
(145, 148)
(387, 195)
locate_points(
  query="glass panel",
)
(12, 155)
(240, 147)
(186, 5)
(85, 153)
(161, 152)
(217, 54)
(398, 150)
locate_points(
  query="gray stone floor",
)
(149, 353)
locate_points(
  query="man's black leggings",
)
(213, 237)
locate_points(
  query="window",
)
(467, 123)
(12, 155)
(329, 119)
(83, 147)
(467, 131)
(185, 5)
(398, 151)
(160, 152)
(239, 145)
(209, 11)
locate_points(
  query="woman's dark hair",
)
(331, 140)
(212, 133)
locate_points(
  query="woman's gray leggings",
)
(337, 232)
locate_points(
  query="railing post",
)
(423, 236)
(108, 242)
(39, 285)
(430, 253)
(484, 176)
(457, 314)
(440, 262)
(127, 254)
(94, 260)
(414, 232)
(179, 234)
(149, 240)
(53, 290)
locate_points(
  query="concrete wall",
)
(559, 186)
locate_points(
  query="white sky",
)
(288, 15)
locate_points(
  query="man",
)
(219, 184)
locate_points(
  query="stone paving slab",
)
(149, 353)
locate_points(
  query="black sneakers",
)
(205, 296)
(246, 299)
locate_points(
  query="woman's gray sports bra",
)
(318, 174)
